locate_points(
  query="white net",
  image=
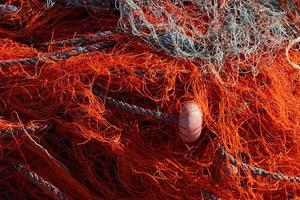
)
(209, 30)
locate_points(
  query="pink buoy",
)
(190, 121)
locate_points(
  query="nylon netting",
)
(83, 85)
(208, 30)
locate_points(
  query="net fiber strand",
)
(91, 92)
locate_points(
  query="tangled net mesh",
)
(212, 31)
(55, 124)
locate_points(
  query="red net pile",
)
(64, 64)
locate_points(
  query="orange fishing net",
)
(91, 90)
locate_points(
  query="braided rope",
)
(39, 181)
(61, 55)
(168, 117)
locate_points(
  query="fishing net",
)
(212, 31)
(91, 91)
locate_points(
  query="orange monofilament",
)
(96, 99)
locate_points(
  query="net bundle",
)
(212, 31)
(91, 91)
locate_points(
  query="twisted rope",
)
(86, 3)
(39, 181)
(61, 55)
(210, 195)
(136, 109)
(6, 134)
(255, 171)
(75, 41)
(46, 186)
(147, 112)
